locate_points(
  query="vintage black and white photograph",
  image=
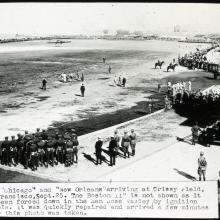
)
(110, 92)
(99, 91)
(109, 109)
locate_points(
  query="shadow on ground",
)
(188, 176)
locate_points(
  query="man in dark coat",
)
(50, 151)
(44, 135)
(98, 151)
(33, 156)
(112, 150)
(109, 69)
(20, 149)
(117, 138)
(26, 150)
(44, 84)
(123, 81)
(82, 89)
(5, 152)
(195, 133)
(60, 149)
(13, 150)
(41, 151)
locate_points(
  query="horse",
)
(159, 64)
(172, 66)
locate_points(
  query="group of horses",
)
(171, 65)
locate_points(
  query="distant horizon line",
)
(101, 33)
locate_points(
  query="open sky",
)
(87, 18)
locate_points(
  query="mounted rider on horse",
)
(172, 66)
(159, 63)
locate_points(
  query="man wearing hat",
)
(37, 134)
(60, 149)
(55, 146)
(82, 89)
(195, 133)
(44, 135)
(68, 151)
(33, 156)
(75, 148)
(25, 134)
(117, 138)
(98, 150)
(0, 154)
(125, 142)
(20, 148)
(13, 150)
(44, 84)
(56, 135)
(36, 137)
(112, 150)
(202, 164)
(26, 151)
(41, 151)
(109, 69)
(72, 133)
(123, 81)
(5, 151)
(133, 138)
(49, 153)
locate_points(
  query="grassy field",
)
(200, 80)
(15, 177)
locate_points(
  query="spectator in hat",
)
(44, 135)
(133, 138)
(44, 84)
(82, 89)
(117, 138)
(98, 150)
(125, 142)
(202, 164)
(5, 148)
(75, 148)
(112, 150)
(13, 150)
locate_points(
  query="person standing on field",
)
(82, 89)
(125, 142)
(109, 69)
(133, 138)
(202, 164)
(195, 133)
(44, 84)
(112, 150)
(98, 150)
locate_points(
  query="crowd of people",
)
(196, 99)
(64, 77)
(120, 81)
(179, 87)
(176, 93)
(206, 135)
(116, 144)
(41, 149)
(198, 60)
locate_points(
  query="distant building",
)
(172, 38)
(177, 28)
